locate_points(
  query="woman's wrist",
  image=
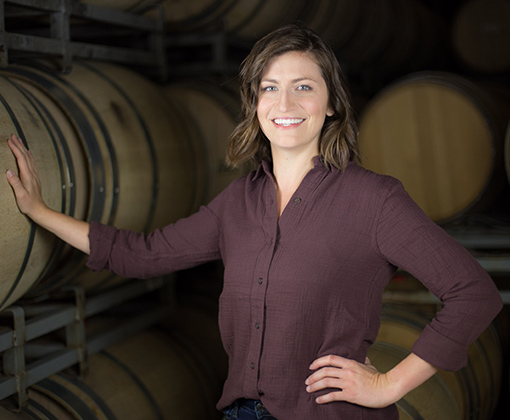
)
(410, 373)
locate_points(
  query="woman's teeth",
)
(287, 121)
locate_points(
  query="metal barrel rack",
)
(40, 339)
(57, 34)
(147, 43)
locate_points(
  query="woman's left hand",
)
(355, 382)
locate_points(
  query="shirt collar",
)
(266, 167)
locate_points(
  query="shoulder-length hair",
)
(338, 140)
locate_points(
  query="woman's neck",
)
(289, 171)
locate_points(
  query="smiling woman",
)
(309, 241)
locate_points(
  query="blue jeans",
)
(247, 410)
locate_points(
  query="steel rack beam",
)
(495, 265)
(425, 297)
(141, 322)
(417, 297)
(490, 247)
(107, 300)
(481, 239)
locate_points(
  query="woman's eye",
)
(268, 89)
(304, 87)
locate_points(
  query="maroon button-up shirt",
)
(310, 284)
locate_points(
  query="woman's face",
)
(293, 103)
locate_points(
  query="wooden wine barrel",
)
(336, 21)
(173, 156)
(34, 411)
(417, 37)
(442, 136)
(123, 152)
(249, 19)
(214, 110)
(197, 15)
(481, 35)
(396, 34)
(476, 387)
(431, 401)
(267, 16)
(150, 376)
(28, 252)
(371, 35)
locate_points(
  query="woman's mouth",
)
(287, 122)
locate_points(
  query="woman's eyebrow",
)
(303, 79)
(300, 79)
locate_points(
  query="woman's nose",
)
(285, 101)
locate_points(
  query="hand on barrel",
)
(26, 186)
(351, 381)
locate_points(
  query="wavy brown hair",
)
(338, 140)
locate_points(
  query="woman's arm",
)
(27, 189)
(362, 384)
(407, 238)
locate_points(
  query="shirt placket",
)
(273, 230)
(258, 293)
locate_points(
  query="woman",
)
(309, 241)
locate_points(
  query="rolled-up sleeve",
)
(411, 241)
(188, 242)
(101, 237)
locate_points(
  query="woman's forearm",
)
(74, 232)
(410, 373)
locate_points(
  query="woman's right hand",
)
(27, 189)
(26, 186)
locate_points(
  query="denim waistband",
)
(255, 407)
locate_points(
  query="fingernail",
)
(9, 173)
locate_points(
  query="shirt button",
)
(252, 365)
(257, 325)
(297, 200)
(261, 280)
